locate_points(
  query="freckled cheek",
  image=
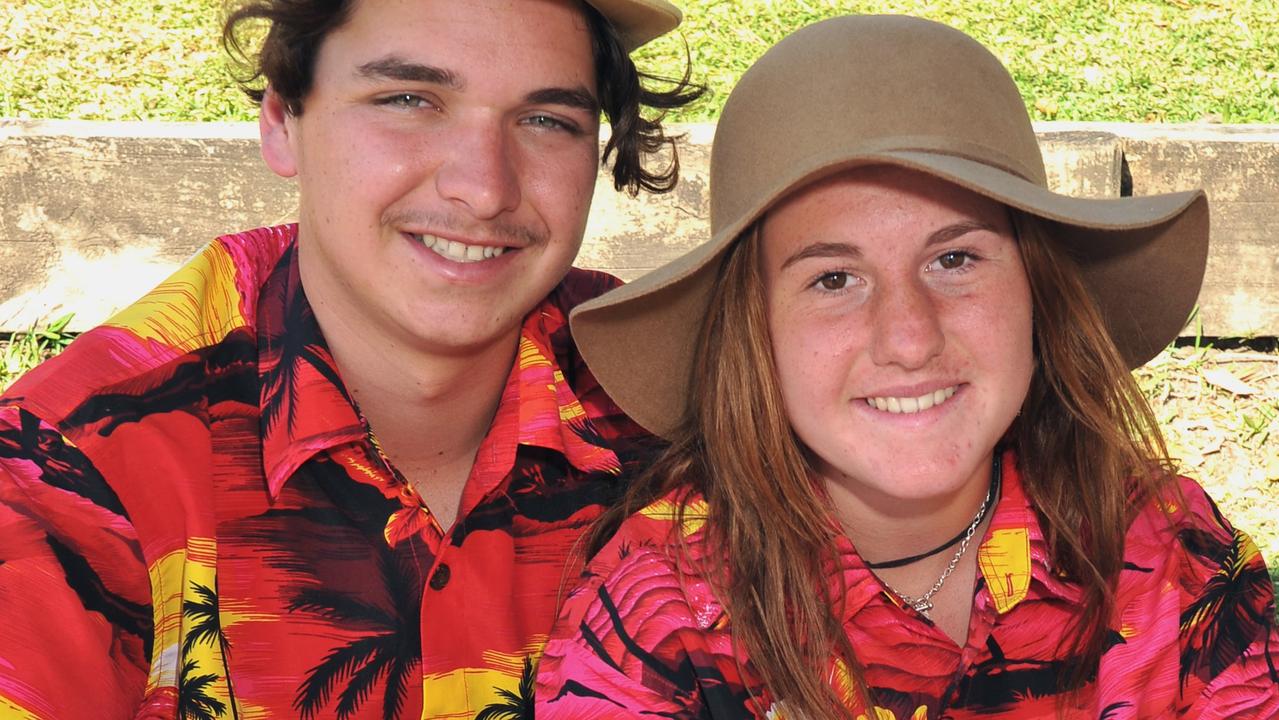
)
(558, 189)
(812, 358)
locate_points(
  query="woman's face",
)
(900, 317)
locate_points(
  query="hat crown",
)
(854, 86)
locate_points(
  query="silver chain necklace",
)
(924, 603)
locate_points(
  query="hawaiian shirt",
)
(195, 521)
(1192, 634)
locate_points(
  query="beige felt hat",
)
(863, 90)
(639, 21)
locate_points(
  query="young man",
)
(336, 469)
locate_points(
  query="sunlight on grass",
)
(1170, 60)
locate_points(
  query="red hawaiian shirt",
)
(195, 521)
(1192, 634)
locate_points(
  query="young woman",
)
(910, 475)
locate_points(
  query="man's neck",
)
(429, 411)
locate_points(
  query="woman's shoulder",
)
(657, 536)
(1182, 515)
(653, 568)
(1195, 590)
(1181, 528)
(643, 629)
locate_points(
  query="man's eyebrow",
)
(579, 98)
(824, 250)
(394, 68)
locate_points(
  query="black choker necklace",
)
(994, 493)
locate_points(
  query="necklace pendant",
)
(922, 606)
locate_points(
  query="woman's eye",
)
(952, 260)
(833, 281)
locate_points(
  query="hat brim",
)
(1143, 259)
(639, 21)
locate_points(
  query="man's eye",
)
(405, 100)
(548, 122)
(833, 281)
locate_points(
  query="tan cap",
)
(639, 21)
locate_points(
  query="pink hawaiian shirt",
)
(1192, 634)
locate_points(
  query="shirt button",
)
(440, 577)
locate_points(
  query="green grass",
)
(1146, 60)
(24, 350)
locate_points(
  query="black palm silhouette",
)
(207, 628)
(1225, 619)
(61, 464)
(391, 649)
(194, 702)
(293, 341)
(226, 372)
(514, 706)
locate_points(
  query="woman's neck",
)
(884, 527)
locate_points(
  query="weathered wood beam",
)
(94, 214)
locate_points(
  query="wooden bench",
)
(94, 214)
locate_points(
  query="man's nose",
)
(906, 325)
(479, 171)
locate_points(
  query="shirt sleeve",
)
(638, 639)
(1228, 639)
(75, 619)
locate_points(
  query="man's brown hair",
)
(285, 61)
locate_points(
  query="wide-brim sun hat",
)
(639, 21)
(871, 90)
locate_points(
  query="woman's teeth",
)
(905, 406)
(457, 251)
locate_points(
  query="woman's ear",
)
(277, 127)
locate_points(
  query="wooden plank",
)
(94, 214)
(1239, 169)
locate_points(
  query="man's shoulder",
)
(580, 285)
(205, 307)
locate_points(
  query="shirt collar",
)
(1013, 550)
(1011, 555)
(539, 408)
(304, 406)
(306, 409)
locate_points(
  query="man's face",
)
(445, 157)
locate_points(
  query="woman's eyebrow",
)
(844, 250)
(824, 250)
(950, 232)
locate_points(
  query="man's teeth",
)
(907, 405)
(459, 252)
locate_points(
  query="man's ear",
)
(277, 127)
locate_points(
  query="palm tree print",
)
(289, 344)
(224, 373)
(194, 702)
(392, 650)
(207, 627)
(1225, 619)
(516, 706)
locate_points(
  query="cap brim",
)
(639, 21)
(1142, 257)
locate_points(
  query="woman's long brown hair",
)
(1088, 448)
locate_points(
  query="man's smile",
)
(459, 251)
